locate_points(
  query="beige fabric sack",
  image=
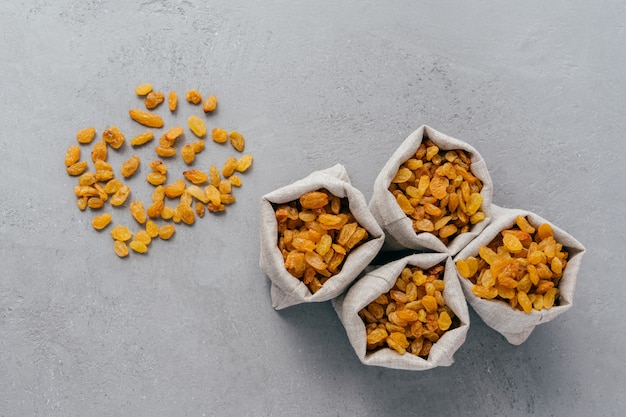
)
(516, 326)
(380, 281)
(397, 226)
(287, 290)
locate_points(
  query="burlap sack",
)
(516, 325)
(380, 281)
(397, 226)
(287, 290)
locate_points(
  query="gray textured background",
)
(537, 87)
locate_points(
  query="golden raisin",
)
(193, 96)
(196, 125)
(229, 166)
(152, 229)
(72, 155)
(99, 151)
(209, 104)
(120, 196)
(237, 140)
(86, 135)
(235, 180)
(102, 221)
(137, 211)
(145, 118)
(244, 163)
(166, 231)
(174, 133)
(153, 99)
(138, 246)
(113, 137)
(175, 189)
(142, 138)
(143, 237)
(120, 248)
(219, 135)
(314, 200)
(156, 178)
(130, 166)
(143, 89)
(77, 168)
(121, 232)
(188, 154)
(164, 152)
(172, 100)
(112, 186)
(195, 176)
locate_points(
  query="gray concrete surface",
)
(187, 330)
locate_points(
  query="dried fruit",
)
(156, 178)
(193, 96)
(155, 209)
(173, 134)
(142, 138)
(412, 315)
(113, 186)
(130, 166)
(188, 154)
(229, 166)
(143, 89)
(164, 152)
(153, 99)
(102, 221)
(138, 246)
(166, 231)
(436, 189)
(99, 151)
(520, 266)
(113, 137)
(314, 200)
(235, 180)
(145, 118)
(195, 176)
(196, 125)
(95, 188)
(312, 247)
(120, 248)
(237, 140)
(172, 100)
(197, 146)
(95, 203)
(137, 211)
(120, 196)
(77, 168)
(152, 229)
(121, 232)
(72, 155)
(244, 163)
(209, 104)
(86, 135)
(143, 237)
(219, 135)
(175, 189)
